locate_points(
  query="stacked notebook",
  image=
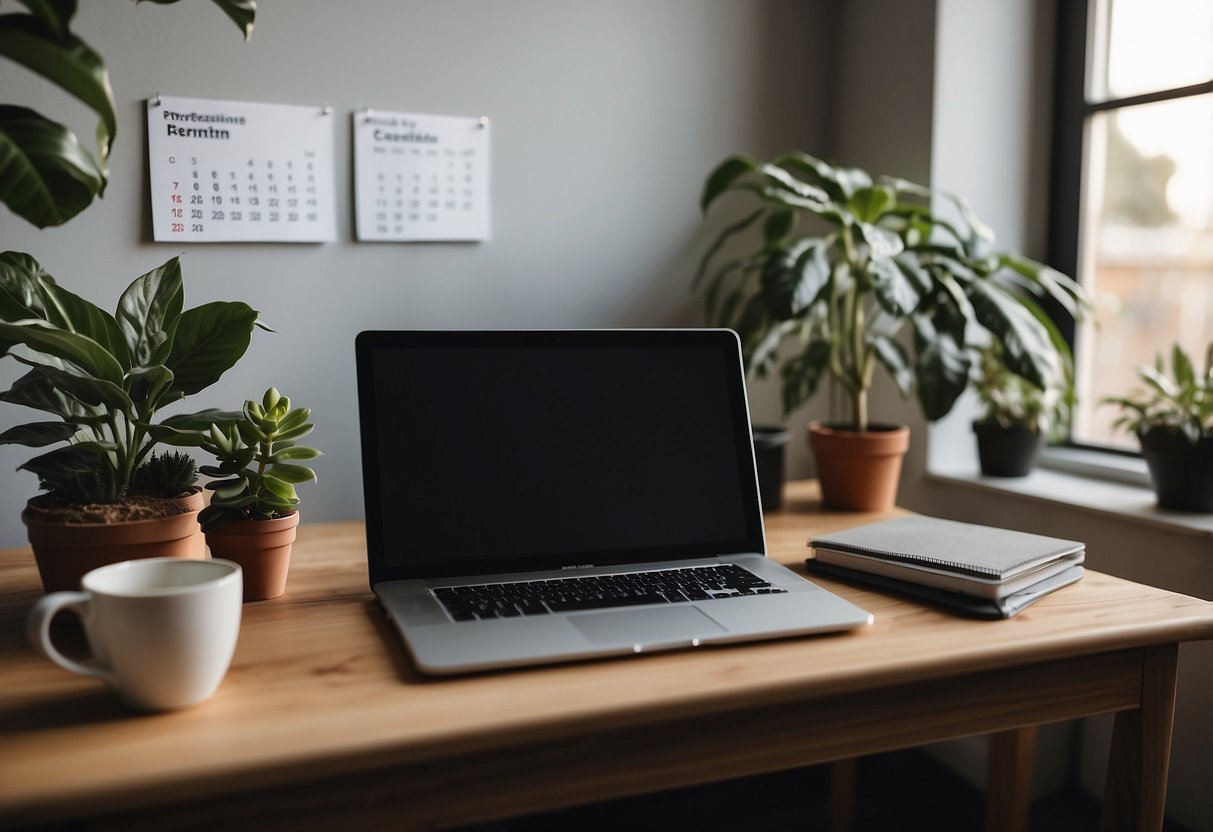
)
(979, 570)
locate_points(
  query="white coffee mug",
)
(162, 630)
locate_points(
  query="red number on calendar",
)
(178, 226)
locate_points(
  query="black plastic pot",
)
(769, 442)
(1181, 473)
(1007, 452)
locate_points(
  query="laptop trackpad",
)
(648, 626)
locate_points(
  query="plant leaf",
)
(941, 370)
(894, 291)
(241, 12)
(735, 228)
(57, 14)
(39, 434)
(793, 279)
(75, 314)
(46, 176)
(295, 453)
(803, 374)
(870, 203)
(725, 174)
(778, 225)
(278, 486)
(147, 309)
(893, 356)
(23, 284)
(881, 242)
(80, 350)
(1027, 350)
(35, 390)
(207, 341)
(66, 61)
(62, 463)
(84, 388)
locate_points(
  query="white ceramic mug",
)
(162, 630)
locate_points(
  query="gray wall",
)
(606, 118)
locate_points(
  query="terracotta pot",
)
(859, 470)
(263, 550)
(65, 551)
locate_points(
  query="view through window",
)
(1146, 225)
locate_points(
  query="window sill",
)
(1134, 503)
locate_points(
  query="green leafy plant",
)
(168, 474)
(1180, 403)
(263, 433)
(879, 258)
(107, 376)
(47, 175)
(1009, 400)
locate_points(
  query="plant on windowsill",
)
(878, 260)
(1173, 419)
(1018, 416)
(254, 510)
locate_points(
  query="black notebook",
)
(1004, 607)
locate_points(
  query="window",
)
(1132, 201)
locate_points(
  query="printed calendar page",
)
(236, 171)
(421, 177)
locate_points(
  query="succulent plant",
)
(258, 461)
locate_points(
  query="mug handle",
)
(38, 629)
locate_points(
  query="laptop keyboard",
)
(594, 592)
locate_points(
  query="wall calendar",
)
(421, 177)
(236, 171)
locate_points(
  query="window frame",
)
(1072, 110)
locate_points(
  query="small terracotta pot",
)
(65, 551)
(263, 550)
(859, 471)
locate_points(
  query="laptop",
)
(545, 496)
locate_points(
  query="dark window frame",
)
(1071, 110)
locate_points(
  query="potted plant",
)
(254, 510)
(1173, 419)
(1018, 416)
(105, 377)
(878, 260)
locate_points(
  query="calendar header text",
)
(200, 132)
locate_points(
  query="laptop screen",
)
(488, 452)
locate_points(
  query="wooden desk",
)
(322, 721)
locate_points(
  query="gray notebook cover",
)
(963, 548)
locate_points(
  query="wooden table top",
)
(321, 683)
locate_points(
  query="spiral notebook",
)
(980, 570)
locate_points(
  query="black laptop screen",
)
(497, 451)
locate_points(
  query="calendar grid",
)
(421, 177)
(233, 171)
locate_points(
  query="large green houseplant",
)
(842, 266)
(1172, 417)
(104, 376)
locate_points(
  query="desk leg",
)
(1009, 790)
(1135, 792)
(842, 794)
